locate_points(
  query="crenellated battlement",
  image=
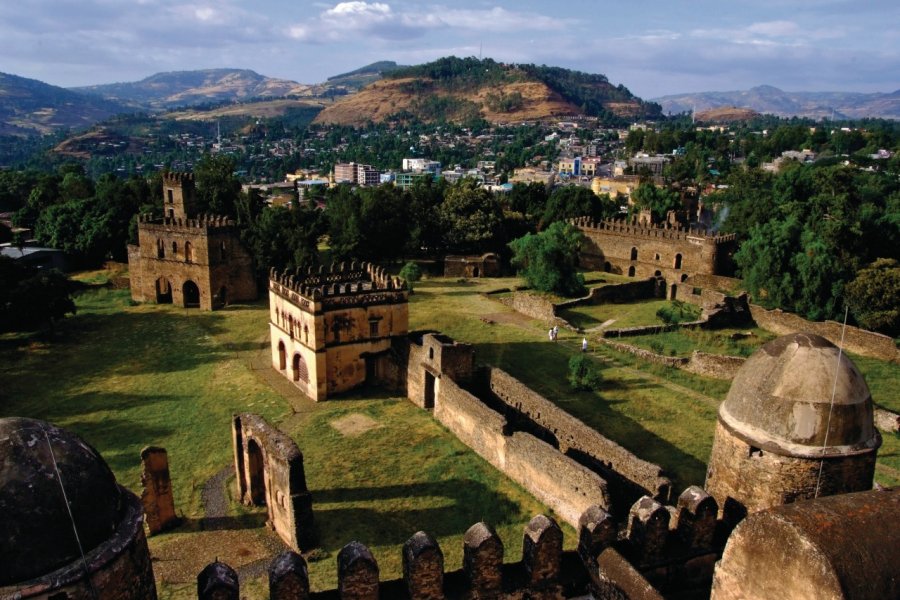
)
(200, 222)
(666, 232)
(654, 535)
(339, 280)
(177, 179)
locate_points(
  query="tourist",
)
(550, 333)
(555, 332)
(584, 344)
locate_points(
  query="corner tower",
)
(179, 195)
(779, 438)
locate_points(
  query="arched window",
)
(282, 356)
(174, 249)
(170, 196)
(160, 249)
(678, 261)
(188, 252)
(306, 334)
(634, 254)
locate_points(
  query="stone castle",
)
(645, 250)
(788, 509)
(188, 259)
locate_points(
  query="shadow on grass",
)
(466, 502)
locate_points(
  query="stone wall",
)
(860, 341)
(156, 496)
(553, 478)
(485, 265)
(716, 366)
(531, 304)
(627, 474)
(618, 293)
(269, 471)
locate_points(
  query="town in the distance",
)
(460, 330)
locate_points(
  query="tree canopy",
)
(549, 260)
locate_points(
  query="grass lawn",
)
(622, 315)
(719, 341)
(124, 377)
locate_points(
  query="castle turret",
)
(179, 198)
(797, 423)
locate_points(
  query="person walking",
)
(555, 332)
(584, 344)
(550, 334)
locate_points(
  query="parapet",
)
(340, 280)
(178, 179)
(204, 221)
(677, 232)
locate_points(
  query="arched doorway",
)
(282, 356)
(631, 271)
(299, 372)
(475, 272)
(163, 291)
(607, 267)
(191, 294)
(674, 292)
(255, 469)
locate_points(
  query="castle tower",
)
(779, 439)
(179, 198)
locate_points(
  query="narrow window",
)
(160, 249)
(634, 254)
(677, 261)
(174, 248)
(373, 328)
(170, 196)
(188, 252)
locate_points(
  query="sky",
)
(652, 47)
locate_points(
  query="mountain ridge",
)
(772, 100)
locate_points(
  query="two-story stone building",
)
(332, 329)
(188, 259)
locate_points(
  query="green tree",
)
(572, 201)
(549, 260)
(584, 374)
(472, 218)
(874, 296)
(218, 190)
(658, 200)
(32, 298)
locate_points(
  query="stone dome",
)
(780, 400)
(35, 525)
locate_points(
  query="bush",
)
(410, 273)
(678, 312)
(584, 373)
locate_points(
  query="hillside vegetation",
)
(459, 89)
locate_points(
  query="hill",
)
(459, 89)
(188, 88)
(771, 100)
(360, 78)
(725, 114)
(29, 106)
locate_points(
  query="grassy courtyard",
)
(126, 376)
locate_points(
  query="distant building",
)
(356, 174)
(422, 165)
(408, 180)
(654, 164)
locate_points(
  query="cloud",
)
(380, 22)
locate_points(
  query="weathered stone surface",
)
(218, 581)
(596, 531)
(269, 471)
(357, 573)
(542, 551)
(778, 431)
(157, 497)
(288, 577)
(617, 579)
(839, 547)
(697, 514)
(423, 567)
(648, 528)
(485, 265)
(483, 561)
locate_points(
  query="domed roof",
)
(780, 399)
(35, 525)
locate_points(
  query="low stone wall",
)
(574, 437)
(531, 305)
(717, 366)
(887, 420)
(623, 292)
(651, 329)
(860, 341)
(553, 478)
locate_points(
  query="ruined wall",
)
(156, 497)
(573, 435)
(530, 304)
(437, 357)
(487, 265)
(269, 471)
(550, 476)
(618, 293)
(860, 341)
(716, 366)
(745, 478)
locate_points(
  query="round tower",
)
(779, 438)
(42, 469)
